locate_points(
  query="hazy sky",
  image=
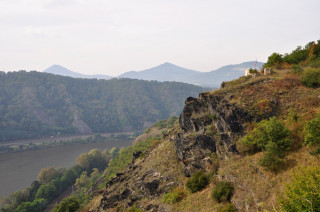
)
(114, 36)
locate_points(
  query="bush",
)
(311, 77)
(197, 182)
(266, 131)
(223, 191)
(312, 131)
(273, 159)
(174, 196)
(229, 207)
(70, 204)
(303, 193)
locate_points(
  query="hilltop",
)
(35, 104)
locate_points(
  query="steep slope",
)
(60, 70)
(39, 104)
(207, 139)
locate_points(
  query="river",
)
(18, 170)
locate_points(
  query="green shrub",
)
(266, 131)
(229, 207)
(273, 159)
(222, 191)
(174, 196)
(303, 192)
(70, 204)
(311, 77)
(197, 182)
(312, 131)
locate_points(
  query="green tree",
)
(36, 205)
(273, 59)
(69, 204)
(47, 192)
(303, 192)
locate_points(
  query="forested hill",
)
(34, 104)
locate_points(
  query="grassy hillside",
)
(36, 104)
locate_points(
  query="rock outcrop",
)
(209, 125)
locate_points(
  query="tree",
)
(47, 191)
(69, 204)
(82, 182)
(303, 192)
(273, 60)
(47, 174)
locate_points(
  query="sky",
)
(115, 36)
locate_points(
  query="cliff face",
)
(209, 124)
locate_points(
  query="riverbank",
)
(19, 169)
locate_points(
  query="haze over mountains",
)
(170, 72)
(60, 70)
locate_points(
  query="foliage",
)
(47, 174)
(273, 59)
(311, 77)
(197, 182)
(310, 54)
(303, 192)
(266, 131)
(273, 159)
(36, 205)
(229, 207)
(174, 196)
(296, 56)
(312, 131)
(69, 204)
(93, 159)
(222, 191)
(272, 137)
(34, 104)
(47, 191)
(82, 182)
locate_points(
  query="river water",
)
(18, 170)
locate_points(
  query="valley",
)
(20, 169)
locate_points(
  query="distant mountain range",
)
(171, 72)
(60, 70)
